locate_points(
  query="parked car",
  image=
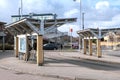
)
(50, 46)
(75, 45)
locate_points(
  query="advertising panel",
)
(22, 44)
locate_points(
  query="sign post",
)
(71, 30)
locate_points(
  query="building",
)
(34, 16)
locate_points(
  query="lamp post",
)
(83, 21)
(80, 39)
(71, 30)
(55, 25)
(20, 10)
(80, 13)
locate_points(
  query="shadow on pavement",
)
(69, 62)
(85, 63)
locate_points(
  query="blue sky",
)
(98, 13)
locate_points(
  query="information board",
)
(22, 44)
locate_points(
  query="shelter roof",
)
(28, 25)
(98, 33)
(1, 23)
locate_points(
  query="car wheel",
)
(55, 49)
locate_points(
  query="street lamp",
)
(55, 25)
(80, 12)
(20, 10)
(80, 39)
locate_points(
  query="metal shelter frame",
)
(2, 34)
(28, 26)
(91, 33)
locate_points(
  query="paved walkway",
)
(62, 71)
(108, 56)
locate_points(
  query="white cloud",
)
(66, 28)
(102, 5)
(104, 24)
(35, 6)
(78, 1)
(71, 13)
(116, 18)
(3, 4)
(97, 12)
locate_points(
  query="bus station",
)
(25, 29)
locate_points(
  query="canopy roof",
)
(1, 23)
(98, 33)
(28, 25)
(2, 29)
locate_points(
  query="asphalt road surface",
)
(60, 65)
(55, 58)
(12, 75)
(109, 70)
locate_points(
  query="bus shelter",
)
(26, 27)
(89, 34)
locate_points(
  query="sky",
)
(97, 13)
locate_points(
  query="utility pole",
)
(81, 24)
(19, 12)
(80, 39)
(71, 30)
(55, 16)
(21, 8)
(83, 21)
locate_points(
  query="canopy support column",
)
(3, 45)
(90, 47)
(84, 50)
(99, 54)
(40, 55)
(16, 46)
(27, 54)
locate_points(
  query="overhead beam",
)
(18, 29)
(24, 28)
(34, 28)
(13, 24)
(10, 31)
(94, 33)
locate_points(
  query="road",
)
(63, 67)
(90, 68)
(12, 75)
(56, 58)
